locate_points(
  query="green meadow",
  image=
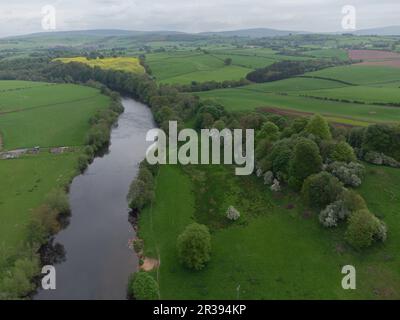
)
(47, 115)
(242, 99)
(273, 251)
(359, 74)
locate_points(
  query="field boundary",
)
(47, 105)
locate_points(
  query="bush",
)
(381, 159)
(58, 200)
(319, 127)
(350, 174)
(18, 281)
(321, 189)
(142, 190)
(194, 246)
(305, 162)
(343, 152)
(352, 200)
(333, 213)
(363, 229)
(142, 286)
(140, 195)
(232, 214)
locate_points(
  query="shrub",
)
(352, 200)
(319, 127)
(194, 246)
(305, 162)
(343, 152)
(321, 189)
(350, 174)
(381, 159)
(276, 186)
(58, 200)
(268, 178)
(333, 213)
(17, 282)
(140, 195)
(232, 214)
(142, 286)
(363, 229)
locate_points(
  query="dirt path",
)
(149, 264)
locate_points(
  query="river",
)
(98, 261)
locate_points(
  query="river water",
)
(98, 261)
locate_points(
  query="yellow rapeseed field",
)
(129, 64)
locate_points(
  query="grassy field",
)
(47, 115)
(357, 74)
(242, 99)
(32, 178)
(185, 67)
(361, 93)
(129, 64)
(257, 253)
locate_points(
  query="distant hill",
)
(385, 31)
(255, 33)
(98, 33)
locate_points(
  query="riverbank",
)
(98, 259)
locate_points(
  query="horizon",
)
(44, 32)
(26, 17)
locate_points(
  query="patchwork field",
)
(353, 95)
(129, 64)
(183, 67)
(258, 267)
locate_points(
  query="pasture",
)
(254, 252)
(46, 115)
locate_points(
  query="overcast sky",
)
(25, 16)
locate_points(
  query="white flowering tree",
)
(232, 213)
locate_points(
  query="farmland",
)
(47, 115)
(183, 67)
(255, 254)
(128, 64)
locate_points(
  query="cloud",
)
(24, 16)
